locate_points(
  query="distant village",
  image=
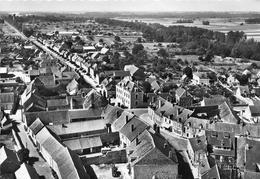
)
(74, 106)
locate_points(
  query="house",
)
(9, 162)
(65, 77)
(130, 95)
(57, 104)
(26, 171)
(216, 100)
(132, 128)
(197, 149)
(195, 127)
(247, 157)
(121, 120)
(62, 160)
(183, 97)
(200, 78)
(222, 147)
(72, 87)
(5, 121)
(94, 100)
(212, 173)
(252, 114)
(32, 101)
(135, 72)
(243, 91)
(108, 87)
(150, 155)
(7, 100)
(227, 115)
(84, 145)
(169, 116)
(231, 80)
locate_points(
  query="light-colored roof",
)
(78, 127)
(83, 143)
(3, 70)
(26, 172)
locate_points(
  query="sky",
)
(129, 5)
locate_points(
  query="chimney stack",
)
(170, 155)
(160, 103)
(132, 128)
(165, 145)
(117, 114)
(126, 119)
(136, 141)
(109, 130)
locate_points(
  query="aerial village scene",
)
(129, 95)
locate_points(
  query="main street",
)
(56, 55)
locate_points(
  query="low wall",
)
(111, 157)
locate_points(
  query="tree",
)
(162, 52)
(146, 86)
(188, 71)
(23, 154)
(117, 38)
(137, 48)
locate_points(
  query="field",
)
(8, 31)
(216, 24)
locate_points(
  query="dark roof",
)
(198, 143)
(255, 110)
(133, 128)
(197, 123)
(47, 80)
(57, 102)
(212, 173)
(215, 101)
(151, 150)
(252, 148)
(8, 161)
(111, 113)
(36, 126)
(56, 117)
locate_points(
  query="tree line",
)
(194, 39)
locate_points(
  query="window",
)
(136, 103)
(136, 96)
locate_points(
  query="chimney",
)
(165, 145)
(109, 130)
(126, 119)
(136, 141)
(132, 128)
(160, 103)
(158, 129)
(92, 100)
(155, 127)
(179, 111)
(170, 155)
(117, 114)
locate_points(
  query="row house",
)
(169, 116)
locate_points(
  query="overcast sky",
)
(129, 5)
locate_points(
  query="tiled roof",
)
(36, 126)
(83, 143)
(133, 128)
(127, 85)
(212, 173)
(121, 121)
(56, 117)
(72, 85)
(227, 115)
(47, 80)
(255, 110)
(68, 167)
(197, 122)
(198, 144)
(57, 102)
(78, 127)
(111, 113)
(150, 150)
(215, 101)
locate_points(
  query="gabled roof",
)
(94, 100)
(128, 85)
(197, 123)
(255, 110)
(212, 173)
(151, 150)
(121, 121)
(133, 128)
(26, 171)
(83, 143)
(78, 127)
(181, 92)
(227, 115)
(47, 80)
(36, 126)
(8, 161)
(198, 144)
(131, 68)
(215, 101)
(111, 113)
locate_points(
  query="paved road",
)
(17, 31)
